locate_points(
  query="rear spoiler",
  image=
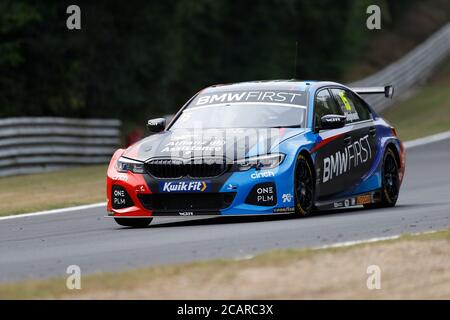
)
(388, 91)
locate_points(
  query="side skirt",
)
(203, 215)
(348, 202)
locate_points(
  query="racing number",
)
(344, 100)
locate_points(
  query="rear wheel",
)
(134, 222)
(304, 187)
(390, 182)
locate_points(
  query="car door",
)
(361, 148)
(329, 152)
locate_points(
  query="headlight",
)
(125, 165)
(267, 161)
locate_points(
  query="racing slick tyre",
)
(304, 187)
(134, 222)
(390, 182)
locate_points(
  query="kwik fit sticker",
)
(184, 186)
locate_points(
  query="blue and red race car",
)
(263, 147)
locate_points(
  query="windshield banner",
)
(293, 98)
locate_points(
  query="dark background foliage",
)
(138, 59)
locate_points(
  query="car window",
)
(361, 108)
(324, 105)
(351, 106)
(241, 115)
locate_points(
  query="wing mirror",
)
(332, 121)
(156, 125)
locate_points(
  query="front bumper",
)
(249, 192)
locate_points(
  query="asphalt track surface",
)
(44, 246)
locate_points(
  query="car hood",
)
(210, 143)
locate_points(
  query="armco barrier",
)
(409, 71)
(31, 145)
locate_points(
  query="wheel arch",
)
(308, 157)
(393, 147)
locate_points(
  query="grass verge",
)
(52, 190)
(426, 112)
(412, 267)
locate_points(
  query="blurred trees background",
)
(138, 59)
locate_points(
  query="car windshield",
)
(245, 109)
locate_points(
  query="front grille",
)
(187, 201)
(173, 168)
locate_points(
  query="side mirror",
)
(332, 121)
(156, 125)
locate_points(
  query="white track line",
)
(47, 212)
(409, 144)
(352, 243)
(427, 140)
(371, 240)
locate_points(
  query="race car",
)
(260, 148)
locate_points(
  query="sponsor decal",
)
(338, 204)
(263, 194)
(352, 116)
(198, 143)
(262, 174)
(120, 177)
(331, 120)
(184, 186)
(231, 187)
(343, 161)
(287, 197)
(345, 203)
(194, 145)
(264, 96)
(186, 213)
(120, 198)
(318, 175)
(140, 188)
(284, 210)
(365, 199)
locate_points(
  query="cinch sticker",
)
(184, 186)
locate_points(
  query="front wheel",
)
(134, 222)
(390, 182)
(304, 187)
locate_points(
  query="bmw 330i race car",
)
(266, 147)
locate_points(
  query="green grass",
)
(425, 113)
(52, 190)
(199, 272)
